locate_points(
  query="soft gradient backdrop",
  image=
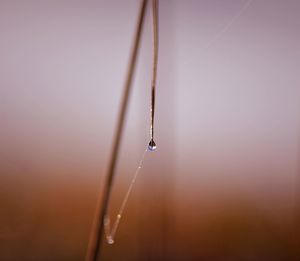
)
(224, 181)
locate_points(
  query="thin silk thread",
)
(227, 26)
(109, 230)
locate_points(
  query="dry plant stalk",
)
(97, 232)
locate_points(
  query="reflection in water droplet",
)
(110, 240)
(152, 145)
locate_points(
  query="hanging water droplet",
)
(152, 145)
(110, 240)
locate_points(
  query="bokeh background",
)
(224, 181)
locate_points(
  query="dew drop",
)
(152, 145)
(110, 240)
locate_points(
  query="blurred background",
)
(224, 181)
